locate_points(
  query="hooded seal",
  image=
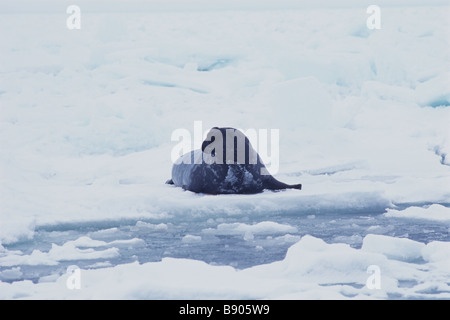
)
(225, 164)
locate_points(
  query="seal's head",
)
(229, 146)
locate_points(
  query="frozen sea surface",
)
(86, 118)
(241, 242)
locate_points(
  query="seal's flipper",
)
(169, 181)
(273, 184)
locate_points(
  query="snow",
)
(312, 269)
(434, 212)
(191, 238)
(86, 118)
(265, 227)
(393, 248)
(71, 250)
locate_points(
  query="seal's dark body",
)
(196, 172)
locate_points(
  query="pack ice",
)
(86, 117)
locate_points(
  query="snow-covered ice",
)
(435, 212)
(312, 269)
(86, 118)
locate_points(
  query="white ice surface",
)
(261, 228)
(311, 269)
(434, 212)
(71, 250)
(86, 118)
